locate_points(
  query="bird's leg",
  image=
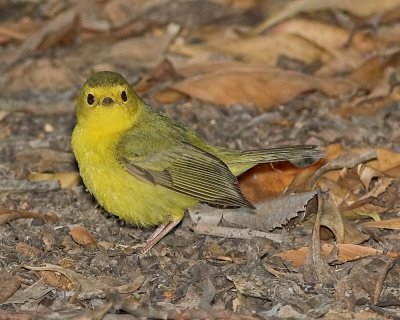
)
(158, 234)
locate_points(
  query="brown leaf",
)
(343, 230)
(317, 268)
(9, 284)
(17, 30)
(393, 224)
(260, 49)
(67, 179)
(11, 215)
(347, 252)
(84, 284)
(328, 36)
(82, 236)
(262, 87)
(371, 72)
(55, 31)
(387, 162)
(56, 279)
(27, 250)
(359, 8)
(266, 180)
(167, 96)
(145, 51)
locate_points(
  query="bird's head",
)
(107, 102)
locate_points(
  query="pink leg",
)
(157, 235)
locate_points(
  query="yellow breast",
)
(136, 201)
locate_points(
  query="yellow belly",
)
(133, 200)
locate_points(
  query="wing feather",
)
(192, 171)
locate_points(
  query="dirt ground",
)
(246, 74)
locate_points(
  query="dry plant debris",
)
(323, 242)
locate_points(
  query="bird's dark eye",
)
(124, 97)
(90, 99)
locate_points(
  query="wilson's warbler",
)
(148, 169)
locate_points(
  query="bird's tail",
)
(302, 155)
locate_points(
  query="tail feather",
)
(301, 155)
(282, 154)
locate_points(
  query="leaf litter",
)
(244, 74)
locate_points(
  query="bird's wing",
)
(180, 166)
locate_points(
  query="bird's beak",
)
(106, 101)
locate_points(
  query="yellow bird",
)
(147, 168)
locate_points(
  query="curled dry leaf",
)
(262, 87)
(82, 236)
(317, 269)
(359, 194)
(344, 231)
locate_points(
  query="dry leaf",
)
(235, 233)
(42, 160)
(41, 75)
(56, 279)
(339, 159)
(304, 179)
(387, 162)
(347, 252)
(267, 180)
(11, 215)
(9, 284)
(36, 291)
(330, 37)
(85, 285)
(343, 230)
(271, 213)
(393, 224)
(145, 51)
(27, 250)
(262, 87)
(67, 179)
(260, 49)
(359, 8)
(19, 29)
(371, 72)
(167, 96)
(55, 31)
(82, 236)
